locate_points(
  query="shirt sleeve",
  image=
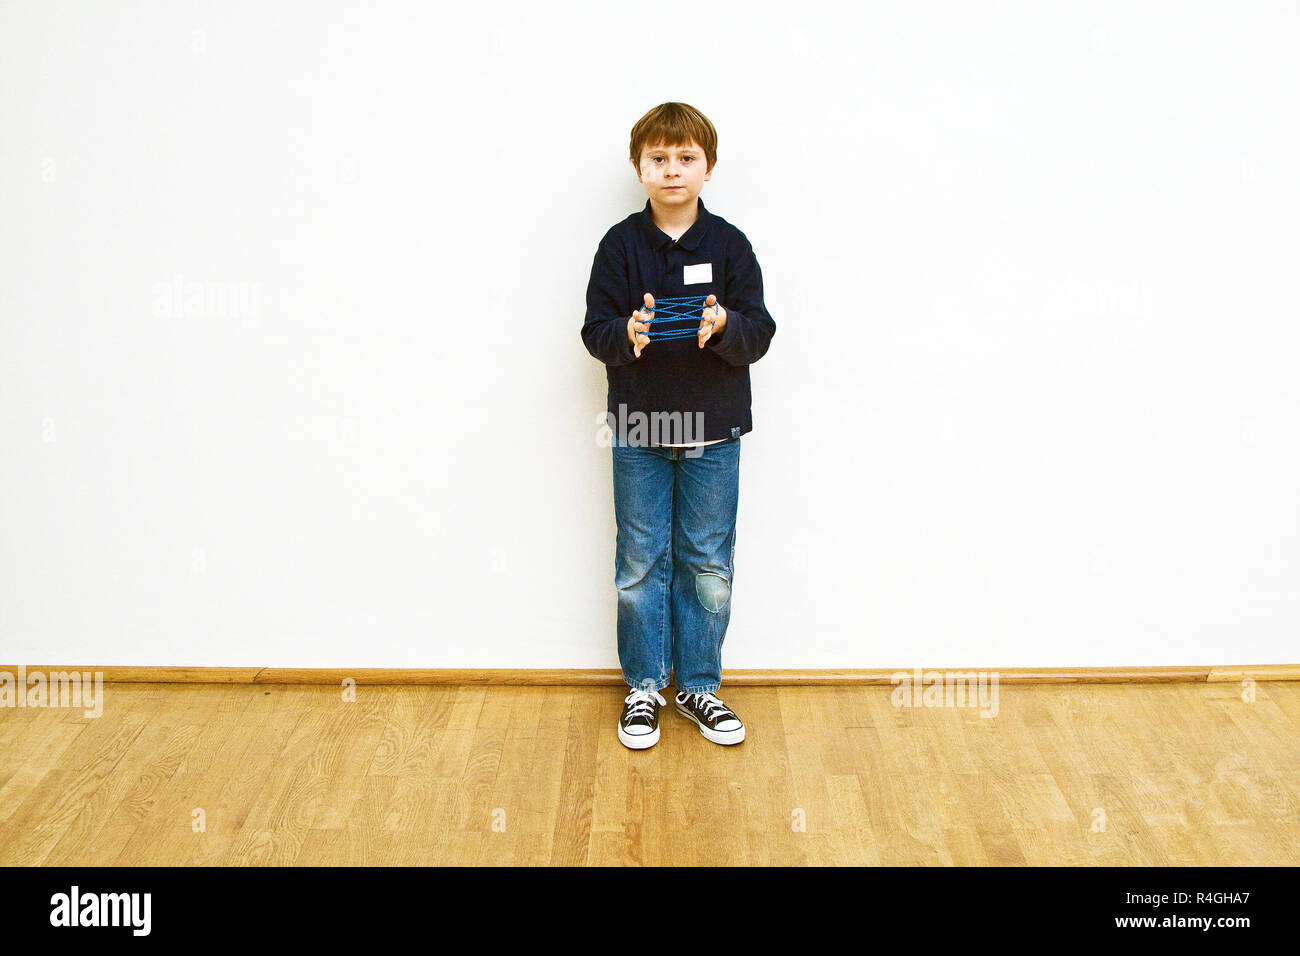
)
(604, 328)
(749, 329)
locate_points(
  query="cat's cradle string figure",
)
(678, 309)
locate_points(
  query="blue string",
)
(678, 308)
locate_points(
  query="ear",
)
(638, 170)
(709, 175)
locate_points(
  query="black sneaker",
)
(712, 716)
(638, 728)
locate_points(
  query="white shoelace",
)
(640, 703)
(712, 705)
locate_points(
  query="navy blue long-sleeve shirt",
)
(676, 375)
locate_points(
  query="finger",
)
(706, 330)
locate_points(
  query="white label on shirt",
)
(701, 273)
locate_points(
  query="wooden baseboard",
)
(612, 677)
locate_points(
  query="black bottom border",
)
(946, 905)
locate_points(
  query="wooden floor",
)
(1097, 774)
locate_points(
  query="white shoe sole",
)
(638, 741)
(724, 737)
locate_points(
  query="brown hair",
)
(674, 124)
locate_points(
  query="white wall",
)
(1032, 399)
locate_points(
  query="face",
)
(673, 175)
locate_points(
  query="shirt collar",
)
(690, 239)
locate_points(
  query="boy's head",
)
(674, 124)
(674, 148)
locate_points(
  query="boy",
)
(675, 494)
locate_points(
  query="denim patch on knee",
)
(713, 591)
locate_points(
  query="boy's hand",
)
(712, 319)
(640, 322)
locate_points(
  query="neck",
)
(677, 220)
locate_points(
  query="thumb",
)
(649, 301)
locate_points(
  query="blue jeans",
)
(674, 560)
